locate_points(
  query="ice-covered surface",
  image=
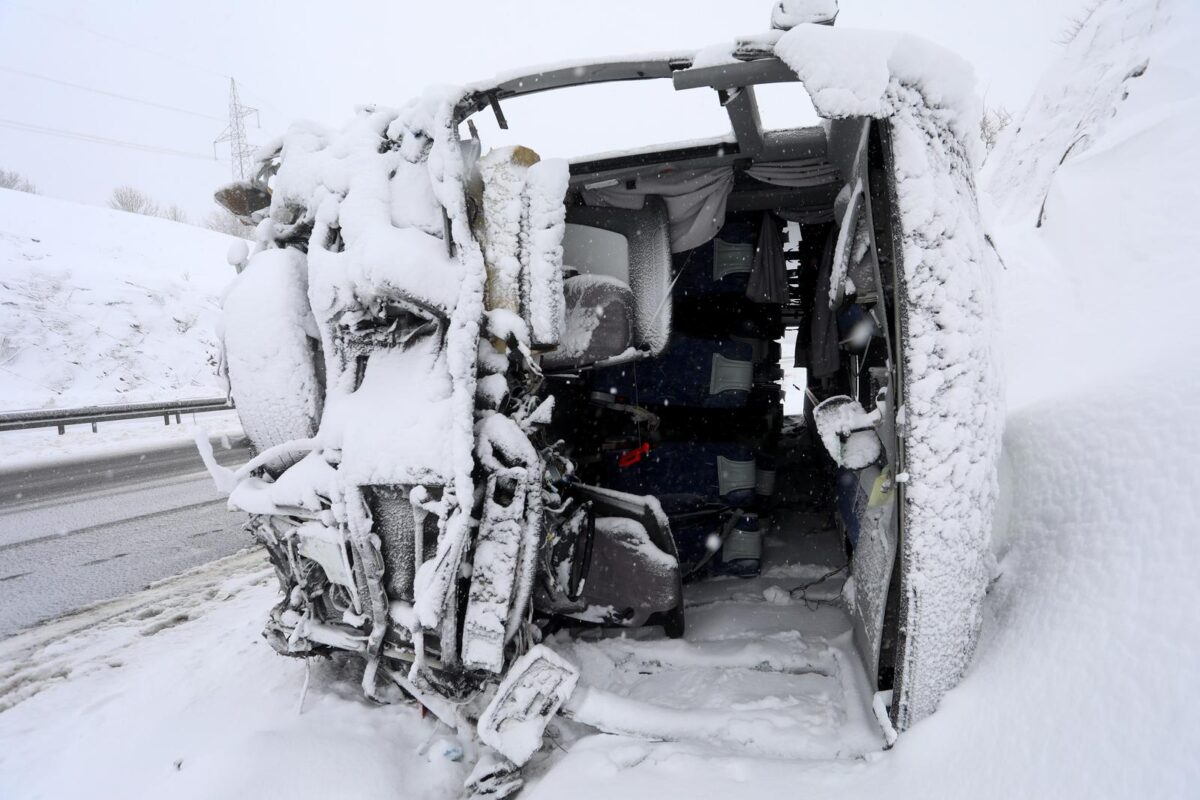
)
(268, 334)
(853, 72)
(951, 403)
(952, 390)
(546, 189)
(396, 285)
(101, 306)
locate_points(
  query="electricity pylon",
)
(240, 150)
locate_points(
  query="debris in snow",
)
(447, 747)
(776, 595)
(880, 704)
(238, 254)
(534, 689)
(494, 572)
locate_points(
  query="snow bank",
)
(1112, 265)
(102, 306)
(181, 698)
(1074, 103)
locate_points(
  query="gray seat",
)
(599, 322)
(618, 305)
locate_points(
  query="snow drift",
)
(1080, 684)
(103, 306)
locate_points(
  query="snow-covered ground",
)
(1080, 685)
(172, 693)
(103, 306)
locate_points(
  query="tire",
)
(274, 364)
(673, 623)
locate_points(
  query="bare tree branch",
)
(11, 179)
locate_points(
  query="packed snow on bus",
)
(520, 413)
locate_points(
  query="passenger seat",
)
(617, 286)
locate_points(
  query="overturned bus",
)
(506, 403)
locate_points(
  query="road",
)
(76, 533)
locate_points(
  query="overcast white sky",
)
(318, 59)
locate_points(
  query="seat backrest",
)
(647, 235)
(598, 323)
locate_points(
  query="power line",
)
(119, 40)
(134, 45)
(109, 94)
(87, 137)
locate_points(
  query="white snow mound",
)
(103, 306)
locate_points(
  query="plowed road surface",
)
(79, 532)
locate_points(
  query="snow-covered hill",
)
(102, 306)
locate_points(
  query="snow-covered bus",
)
(504, 401)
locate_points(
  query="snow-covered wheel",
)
(272, 353)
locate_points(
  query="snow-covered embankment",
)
(102, 306)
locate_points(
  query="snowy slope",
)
(101, 306)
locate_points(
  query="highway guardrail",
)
(62, 417)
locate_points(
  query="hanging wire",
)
(127, 44)
(107, 93)
(118, 40)
(813, 605)
(87, 137)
